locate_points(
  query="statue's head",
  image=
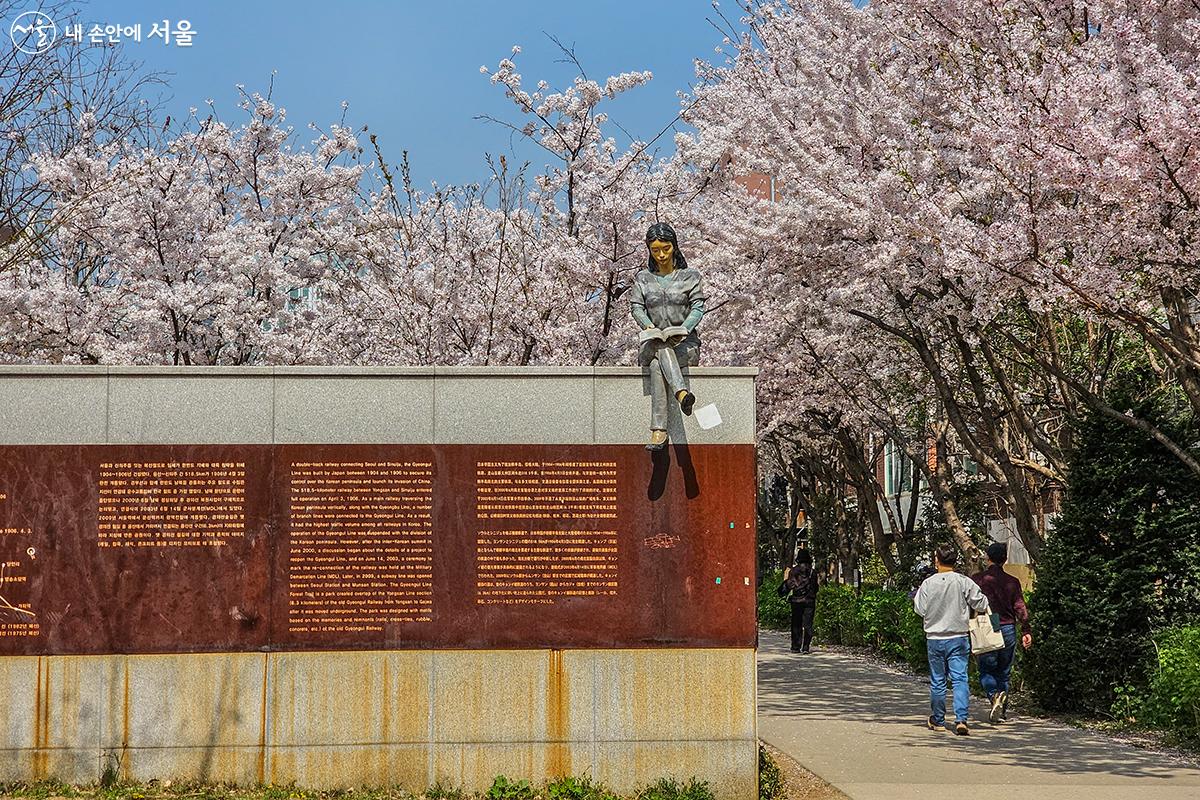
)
(664, 248)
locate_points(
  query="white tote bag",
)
(985, 635)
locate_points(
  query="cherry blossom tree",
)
(241, 245)
(45, 90)
(1000, 190)
(195, 253)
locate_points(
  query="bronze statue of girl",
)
(667, 302)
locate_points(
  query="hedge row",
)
(1172, 700)
(773, 611)
(881, 619)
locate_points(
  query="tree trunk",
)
(862, 474)
(940, 483)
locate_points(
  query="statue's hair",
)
(662, 232)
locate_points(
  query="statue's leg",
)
(658, 393)
(670, 369)
(688, 353)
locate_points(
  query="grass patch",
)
(502, 788)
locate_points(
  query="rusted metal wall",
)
(685, 561)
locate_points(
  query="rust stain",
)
(282, 700)
(227, 767)
(46, 713)
(362, 700)
(46, 692)
(37, 704)
(125, 711)
(386, 702)
(558, 758)
(262, 722)
(282, 761)
(278, 721)
(68, 699)
(412, 699)
(41, 721)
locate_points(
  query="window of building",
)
(897, 470)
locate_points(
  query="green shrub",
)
(670, 789)
(881, 619)
(770, 777)
(890, 626)
(444, 791)
(836, 617)
(504, 789)
(572, 788)
(1173, 700)
(773, 611)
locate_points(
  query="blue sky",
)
(410, 70)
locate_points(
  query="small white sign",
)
(708, 417)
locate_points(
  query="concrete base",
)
(385, 718)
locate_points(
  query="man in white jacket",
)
(944, 602)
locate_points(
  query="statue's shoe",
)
(686, 402)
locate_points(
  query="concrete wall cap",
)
(36, 370)
(331, 371)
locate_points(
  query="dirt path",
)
(799, 783)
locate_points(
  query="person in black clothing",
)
(800, 587)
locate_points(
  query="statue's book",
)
(663, 334)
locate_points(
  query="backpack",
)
(802, 583)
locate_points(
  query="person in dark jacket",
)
(800, 588)
(1004, 595)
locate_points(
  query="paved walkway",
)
(862, 729)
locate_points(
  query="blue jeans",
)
(996, 666)
(948, 656)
